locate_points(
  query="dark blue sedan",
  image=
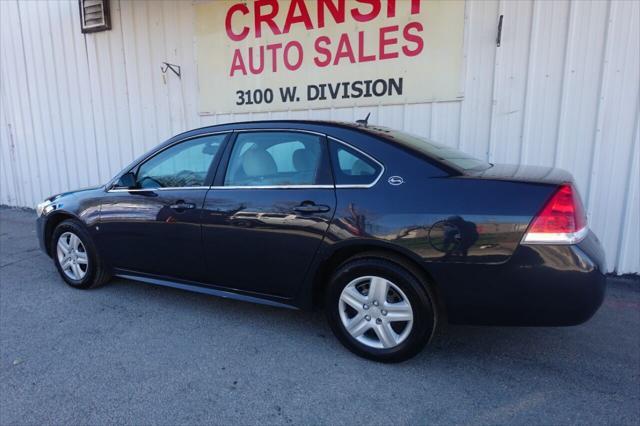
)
(391, 234)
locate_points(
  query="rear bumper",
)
(540, 285)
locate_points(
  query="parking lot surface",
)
(135, 353)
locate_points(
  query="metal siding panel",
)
(582, 77)
(511, 83)
(14, 70)
(629, 252)
(87, 146)
(480, 62)
(619, 114)
(542, 105)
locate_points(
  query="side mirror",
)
(127, 180)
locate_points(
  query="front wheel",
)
(380, 310)
(76, 257)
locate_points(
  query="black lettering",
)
(356, 89)
(312, 92)
(395, 84)
(379, 87)
(367, 88)
(288, 94)
(334, 90)
(322, 87)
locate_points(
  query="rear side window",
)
(352, 167)
(450, 156)
(277, 159)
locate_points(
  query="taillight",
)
(562, 220)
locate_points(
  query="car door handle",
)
(181, 205)
(311, 208)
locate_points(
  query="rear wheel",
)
(380, 310)
(75, 256)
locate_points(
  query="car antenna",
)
(365, 121)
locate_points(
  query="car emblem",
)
(395, 180)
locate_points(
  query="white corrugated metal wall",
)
(563, 90)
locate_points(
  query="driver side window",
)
(183, 165)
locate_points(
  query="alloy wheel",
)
(375, 312)
(72, 256)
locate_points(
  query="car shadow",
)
(454, 344)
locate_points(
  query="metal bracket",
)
(175, 68)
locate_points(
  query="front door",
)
(155, 227)
(264, 221)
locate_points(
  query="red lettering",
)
(287, 63)
(260, 67)
(364, 17)
(344, 50)
(391, 8)
(303, 17)
(242, 8)
(237, 64)
(320, 44)
(274, 52)
(415, 38)
(337, 12)
(384, 42)
(361, 56)
(261, 18)
(415, 7)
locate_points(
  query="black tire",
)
(414, 287)
(97, 273)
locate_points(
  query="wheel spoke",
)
(65, 263)
(82, 258)
(63, 246)
(358, 325)
(400, 311)
(378, 289)
(353, 298)
(77, 272)
(386, 335)
(74, 241)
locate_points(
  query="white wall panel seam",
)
(7, 116)
(37, 174)
(628, 185)
(565, 78)
(597, 136)
(526, 111)
(94, 126)
(85, 114)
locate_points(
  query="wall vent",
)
(94, 15)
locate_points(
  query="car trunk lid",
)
(522, 173)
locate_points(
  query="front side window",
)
(183, 165)
(276, 159)
(352, 167)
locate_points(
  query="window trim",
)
(362, 185)
(229, 142)
(112, 185)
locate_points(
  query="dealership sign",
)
(269, 55)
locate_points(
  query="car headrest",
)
(302, 160)
(258, 162)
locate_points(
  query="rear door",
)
(266, 216)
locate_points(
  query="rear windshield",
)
(445, 154)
